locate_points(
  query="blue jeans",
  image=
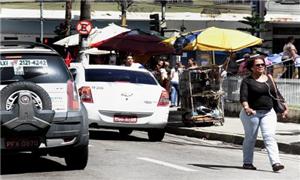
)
(266, 121)
(175, 94)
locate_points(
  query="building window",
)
(10, 38)
(286, 31)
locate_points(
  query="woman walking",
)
(256, 96)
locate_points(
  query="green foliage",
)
(60, 30)
(255, 23)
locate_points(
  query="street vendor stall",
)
(202, 95)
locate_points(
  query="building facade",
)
(282, 20)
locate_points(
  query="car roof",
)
(25, 47)
(118, 67)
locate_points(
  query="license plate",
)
(22, 143)
(125, 118)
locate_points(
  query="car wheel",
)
(77, 158)
(9, 95)
(156, 134)
(125, 132)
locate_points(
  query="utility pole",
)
(85, 14)
(42, 21)
(261, 13)
(123, 11)
(163, 23)
(125, 4)
(68, 17)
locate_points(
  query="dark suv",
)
(40, 110)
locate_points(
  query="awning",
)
(282, 18)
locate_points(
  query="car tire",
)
(125, 132)
(7, 91)
(156, 134)
(77, 158)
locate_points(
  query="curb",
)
(230, 138)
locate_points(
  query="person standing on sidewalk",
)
(258, 112)
(289, 57)
(175, 73)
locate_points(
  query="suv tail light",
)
(85, 94)
(164, 99)
(73, 101)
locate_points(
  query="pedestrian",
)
(257, 112)
(175, 73)
(131, 63)
(166, 76)
(231, 65)
(289, 57)
(191, 63)
(242, 67)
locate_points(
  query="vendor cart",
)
(202, 96)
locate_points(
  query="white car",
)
(123, 98)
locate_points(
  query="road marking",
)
(166, 164)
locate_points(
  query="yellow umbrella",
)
(218, 39)
(213, 39)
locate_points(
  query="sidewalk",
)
(287, 134)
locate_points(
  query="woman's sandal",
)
(277, 166)
(249, 166)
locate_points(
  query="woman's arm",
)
(244, 98)
(293, 52)
(249, 111)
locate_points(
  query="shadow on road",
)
(220, 146)
(27, 163)
(219, 167)
(102, 134)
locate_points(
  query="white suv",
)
(40, 110)
(123, 98)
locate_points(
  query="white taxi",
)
(123, 98)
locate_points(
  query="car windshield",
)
(117, 75)
(37, 68)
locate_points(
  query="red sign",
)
(84, 27)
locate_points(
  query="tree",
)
(125, 4)
(256, 24)
(68, 17)
(64, 29)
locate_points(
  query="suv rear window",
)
(37, 68)
(117, 75)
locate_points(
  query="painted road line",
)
(166, 164)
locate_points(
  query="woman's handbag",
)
(278, 103)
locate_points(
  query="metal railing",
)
(289, 88)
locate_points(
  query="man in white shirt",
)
(130, 62)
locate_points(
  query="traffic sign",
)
(84, 27)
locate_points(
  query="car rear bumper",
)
(66, 129)
(157, 119)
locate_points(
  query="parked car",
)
(40, 109)
(123, 98)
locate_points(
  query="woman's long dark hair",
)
(250, 62)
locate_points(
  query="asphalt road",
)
(113, 157)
